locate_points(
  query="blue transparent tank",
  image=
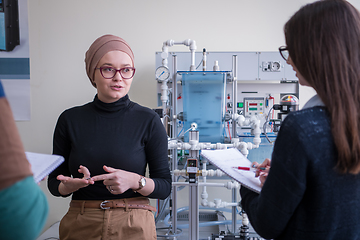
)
(204, 104)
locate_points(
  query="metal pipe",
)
(174, 98)
(193, 194)
(234, 93)
(234, 192)
(174, 151)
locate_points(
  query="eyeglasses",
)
(110, 72)
(284, 52)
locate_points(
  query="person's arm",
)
(157, 157)
(13, 163)
(23, 205)
(62, 147)
(60, 182)
(270, 211)
(24, 210)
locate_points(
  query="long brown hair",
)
(323, 40)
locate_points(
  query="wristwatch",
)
(142, 183)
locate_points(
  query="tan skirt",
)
(107, 224)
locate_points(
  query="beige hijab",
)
(100, 47)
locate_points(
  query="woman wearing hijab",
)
(107, 144)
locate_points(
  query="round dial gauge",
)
(162, 73)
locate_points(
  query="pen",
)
(249, 168)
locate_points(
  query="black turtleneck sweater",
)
(122, 135)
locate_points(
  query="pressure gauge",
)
(162, 73)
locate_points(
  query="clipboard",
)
(226, 159)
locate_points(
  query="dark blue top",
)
(121, 135)
(304, 197)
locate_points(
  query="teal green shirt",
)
(23, 210)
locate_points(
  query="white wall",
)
(61, 31)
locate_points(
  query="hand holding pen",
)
(260, 170)
(262, 174)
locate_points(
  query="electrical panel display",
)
(253, 106)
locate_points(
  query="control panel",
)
(253, 106)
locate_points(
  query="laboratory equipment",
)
(288, 103)
(162, 73)
(228, 108)
(202, 93)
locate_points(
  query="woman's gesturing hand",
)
(117, 181)
(69, 185)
